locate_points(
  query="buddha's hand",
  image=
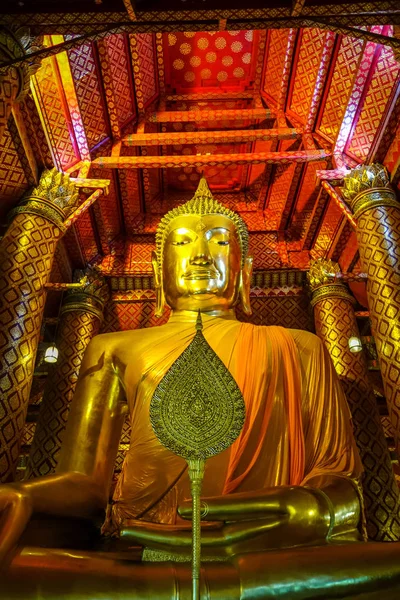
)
(271, 518)
(15, 512)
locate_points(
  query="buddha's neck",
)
(190, 316)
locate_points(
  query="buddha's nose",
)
(201, 253)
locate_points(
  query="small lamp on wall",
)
(51, 354)
(355, 344)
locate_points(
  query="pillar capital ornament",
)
(368, 186)
(91, 297)
(54, 198)
(323, 281)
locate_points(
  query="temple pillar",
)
(80, 318)
(377, 211)
(335, 324)
(26, 257)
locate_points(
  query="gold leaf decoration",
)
(185, 48)
(171, 39)
(227, 61)
(202, 43)
(195, 61)
(238, 72)
(220, 43)
(178, 64)
(236, 46)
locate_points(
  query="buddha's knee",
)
(370, 571)
(51, 574)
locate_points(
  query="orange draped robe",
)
(298, 424)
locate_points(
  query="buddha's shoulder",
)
(116, 340)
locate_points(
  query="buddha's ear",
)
(157, 274)
(245, 283)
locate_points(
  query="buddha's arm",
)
(272, 518)
(331, 500)
(80, 486)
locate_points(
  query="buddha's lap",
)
(365, 570)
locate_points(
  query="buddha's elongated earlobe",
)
(158, 284)
(245, 283)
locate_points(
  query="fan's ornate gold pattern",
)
(197, 410)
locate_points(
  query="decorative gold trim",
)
(374, 198)
(41, 207)
(83, 301)
(151, 555)
(331, 290)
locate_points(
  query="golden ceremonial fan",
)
(197, 411)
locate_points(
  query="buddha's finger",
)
(234, 507)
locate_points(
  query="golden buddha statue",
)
(281, 509)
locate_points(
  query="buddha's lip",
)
(201, 274)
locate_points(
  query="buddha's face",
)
(202, 263)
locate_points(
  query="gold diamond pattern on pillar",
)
(378, 232)
(80, 320)
(26, 257)
(335, 323)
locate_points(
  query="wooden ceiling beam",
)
(297, 7)
(178, 161)
(190, 116)
(223, 95)
(89, 29)
(192, 15)
(210, 137)
(337, 198)
(130, 10)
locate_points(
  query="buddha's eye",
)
(223, 243)
(181, 242)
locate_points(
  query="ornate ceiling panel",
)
(195, 61)
(384, 75)
(311, 45)
(88, 91)
(341, 84)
